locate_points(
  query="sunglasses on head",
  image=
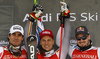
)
(79, 38)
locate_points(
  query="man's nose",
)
(16, 36)
(81, 39)
(46, 42)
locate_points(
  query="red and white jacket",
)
(49, 55)
(91, 53)
(4, 54)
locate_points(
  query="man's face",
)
(83, 42)
(47, 43)
(15, 38)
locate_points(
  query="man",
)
(84, 48)
(14, 50)
(46, 40)
(46, 49)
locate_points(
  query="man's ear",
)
(23, 38)
(53, 41)
(89, 36)
(9, 35)
(75, 38)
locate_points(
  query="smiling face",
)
(81, 42)
(47, 43)
(15, 38)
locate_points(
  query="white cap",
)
(17, 28)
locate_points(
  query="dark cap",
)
(46, 32)
(81, 30)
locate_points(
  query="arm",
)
(66, 30)
(31, 23)
(66, 38)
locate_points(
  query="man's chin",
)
(47, 50)
(81, 45)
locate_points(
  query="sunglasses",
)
(79, 38)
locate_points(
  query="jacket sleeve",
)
(66, 38)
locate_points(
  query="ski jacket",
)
(91, 53)
(48, 55)
(4, 54)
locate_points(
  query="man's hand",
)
(64, 10)
(37, 12)
(63, 6)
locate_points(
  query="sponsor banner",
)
(83, 12)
